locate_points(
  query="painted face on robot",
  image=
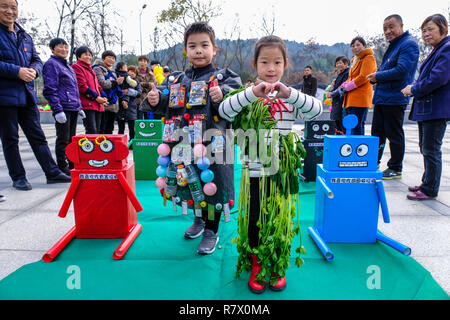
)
(320, 130)
(354, 154)
(98, 152)
(147, 129)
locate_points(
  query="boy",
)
(336, 92)
(200, 46)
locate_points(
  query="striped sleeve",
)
(308, 106)
(233, 105)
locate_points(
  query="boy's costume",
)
(194, 171)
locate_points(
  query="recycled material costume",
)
(268, 198)
(191, 179)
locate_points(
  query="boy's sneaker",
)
(390, 174)
(196, 229)
(208, 243)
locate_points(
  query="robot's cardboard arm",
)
(126, 188)
(325, 188)
(68, 200)
(383, 202)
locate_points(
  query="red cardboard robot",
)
(103, 193)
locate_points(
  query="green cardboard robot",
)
(147, 139)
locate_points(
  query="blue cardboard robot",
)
(349, 193)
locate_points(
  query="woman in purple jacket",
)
(61, 92)
(431, 106)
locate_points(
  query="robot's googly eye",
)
(142, 125)
(151, 125)
(346, 150)
(88, 147)
(107, 147)
(325, 127)
(362, 150)
(316, 127)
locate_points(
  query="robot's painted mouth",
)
(352, 164)
(98, 164)
(319, 136)
(147, 134)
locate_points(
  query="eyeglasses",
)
(6, 7)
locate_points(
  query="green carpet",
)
(161, 264)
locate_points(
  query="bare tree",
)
(177, 17)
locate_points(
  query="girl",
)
(286, 105)
(128, 109)
(359, 90)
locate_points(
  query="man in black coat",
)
(19, 66)
(309, 86)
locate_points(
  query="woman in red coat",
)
(92, 96)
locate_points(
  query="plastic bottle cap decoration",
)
(207, 176)
(231, 203)
(161, 183)
(163, 150)
(166, 92)
(199, 150)
(190, 202)
(161, 171)
(216, 119)
(203, 204)
(163, 120)
(210, 189)
(188, 106)
(203, 163)
(187, 116)
(171, 78)
(220, 76)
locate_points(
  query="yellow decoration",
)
(83, 142)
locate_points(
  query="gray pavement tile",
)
(6, 215)
(426, 235)
(11, 260)
(24, 200)
(34, 231)
(444, 197)
(399, 205)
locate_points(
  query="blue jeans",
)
(361, 114)
(431, 134)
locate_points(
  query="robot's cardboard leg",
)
(327, 253)
(126, 243)
(394, 244)
(59, 246)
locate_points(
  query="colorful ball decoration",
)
(207, 176)
(210, 189)
(199, 150)
(161, 171)
(203, 163)
(161, 183)
(163, 161)
(163, 150)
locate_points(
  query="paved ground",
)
(29, 224)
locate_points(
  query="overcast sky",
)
(327, 21)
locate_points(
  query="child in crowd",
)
(130, 89)
(270, 61)
(206, 86)
(337, 92)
